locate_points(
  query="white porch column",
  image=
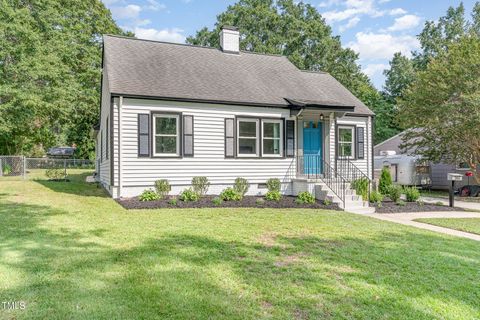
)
(332, 133)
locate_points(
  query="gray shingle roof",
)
(167, 70)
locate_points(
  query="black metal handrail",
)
(353, 174)
(314, 167)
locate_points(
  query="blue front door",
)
(312, 147)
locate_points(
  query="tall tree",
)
(400, 75)
(444, 105)
(50, 67)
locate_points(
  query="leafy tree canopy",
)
(444, 105)
(50, 67)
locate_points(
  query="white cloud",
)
(353, 8)
(397, 11)
(351, 23)
(382, 45)
(405, 22)
(155, 6)
(130, 11)
(328, 3)
(374, 69)
(168, 35)
(383, 1)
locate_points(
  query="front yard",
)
(69, 251)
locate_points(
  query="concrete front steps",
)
(353, 202)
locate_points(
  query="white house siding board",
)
(363, 164)
(209, 141)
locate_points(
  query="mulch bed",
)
(206, 202)
(392, 207)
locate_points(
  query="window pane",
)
(271, 130)
(345, 135)
(345, 150)
(165, 145)
(247, 146)
(247, 129)
(271, 146)
(165, 125)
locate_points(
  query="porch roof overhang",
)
(297, 105)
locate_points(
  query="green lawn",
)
(471, 225)
(70, 252)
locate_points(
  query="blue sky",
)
(374, 28)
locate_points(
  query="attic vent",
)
(230, 39)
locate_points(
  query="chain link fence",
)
(18, 166)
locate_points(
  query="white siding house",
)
(174, 112)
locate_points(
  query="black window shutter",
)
(188, 136)
(360, 143)
(290, 139)
(229, 138)
(144, 135)
(107, 129)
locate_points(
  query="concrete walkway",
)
(459, 204)
(407, 219)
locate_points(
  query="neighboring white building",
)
(173, 111)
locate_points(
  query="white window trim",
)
(257, 138)
(155, 135)
(352, 128)
(268, 155)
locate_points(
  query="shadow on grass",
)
(73, 274)
(76, 185)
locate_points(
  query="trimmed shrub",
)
(274, 184)
(162, 187)
(305, 197)
(149, 195)
(173, 202)
(229, 194)
(200, 185)
(188, 195)
(394, 193)
(241, 186)
(439, 203)
(411, 194)
(55, 174)
(376, 197)
(260, 202)
(327, 202)
(217, 201)
(273, 195)
(401, 203)
(385, 181)
(361, 187)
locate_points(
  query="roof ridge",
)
(312, 71)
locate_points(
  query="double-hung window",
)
(248, 136)
(166, 130)
(272, 136)
(346, 146)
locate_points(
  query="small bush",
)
(229, 194)
(173, 202)
(188, 195)
(260, 202)
(421, 203)
(274, 184)
(163, 188)
(327, 202)
(149, 195)
(217, 201)
(200, 185)
(412, 194)
(394, 193)
(7, 169)
(305, 197)
(401, 203)
(55, 174)
(241, 186)
(439, 203)
(273, 196)
(385, 181)
(376, 197)
(361, 187)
